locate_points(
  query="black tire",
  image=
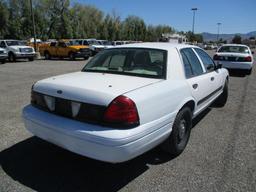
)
(86, 58)
(249, 72)
(222, 99)
(12, 57)
(31, 58)
(3, 61)
(47, 55)
(72, 56)
(180, 134)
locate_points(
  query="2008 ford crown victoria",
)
(127, 100)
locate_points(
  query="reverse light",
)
(75, 108)
(122, 111)
(50, 102)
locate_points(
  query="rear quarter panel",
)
(160, 100)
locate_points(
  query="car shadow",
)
(199, 117)
(237, 73)
(45, 167)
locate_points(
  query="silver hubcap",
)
(182, 129)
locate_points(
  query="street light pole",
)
(218, 31)
(33, 23)
(194, 15)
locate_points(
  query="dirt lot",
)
(220, 156)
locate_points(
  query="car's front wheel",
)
(180, 134)
(47, 55)
(12, 57)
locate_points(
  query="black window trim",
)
(205, 70)
(190, 63)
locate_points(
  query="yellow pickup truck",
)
(64, 49)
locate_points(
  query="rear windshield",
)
(130, 61)
(234, 49)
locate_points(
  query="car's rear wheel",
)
(249, 72)
(222, 99)
(180, 134)
(72, 56)
(3, 61)
(86, 57)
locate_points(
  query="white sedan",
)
(235, 56)
(127, 100)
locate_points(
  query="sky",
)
(235, 16)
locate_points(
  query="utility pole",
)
(33, 23)
(218, 24)
(194, 15)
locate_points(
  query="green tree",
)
(134, 29)
(237, 39)
(4, 15)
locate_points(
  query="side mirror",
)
(218, 66)
(210, 67)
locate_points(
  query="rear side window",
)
(86, 43)
(206, 59)
(190, 58)
(187, 66)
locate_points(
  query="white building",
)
(175, 38)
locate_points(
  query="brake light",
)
(216, 57)
(122, 111)
(248, 59)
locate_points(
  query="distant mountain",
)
(228, 37)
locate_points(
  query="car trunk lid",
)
(90, 87)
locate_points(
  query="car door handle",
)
(195, 86)
(212, 78)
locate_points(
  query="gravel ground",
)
(220, 156)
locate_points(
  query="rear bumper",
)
(101, 143)
(236, 65)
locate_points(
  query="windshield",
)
(130, 61)
(234, 49)
(12, 43)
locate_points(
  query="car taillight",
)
(122, 111)
(216, 57)
(248, 59)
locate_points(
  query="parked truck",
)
(64, 49)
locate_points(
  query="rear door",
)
(53, 48)
(210, 68)
(197, 78)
